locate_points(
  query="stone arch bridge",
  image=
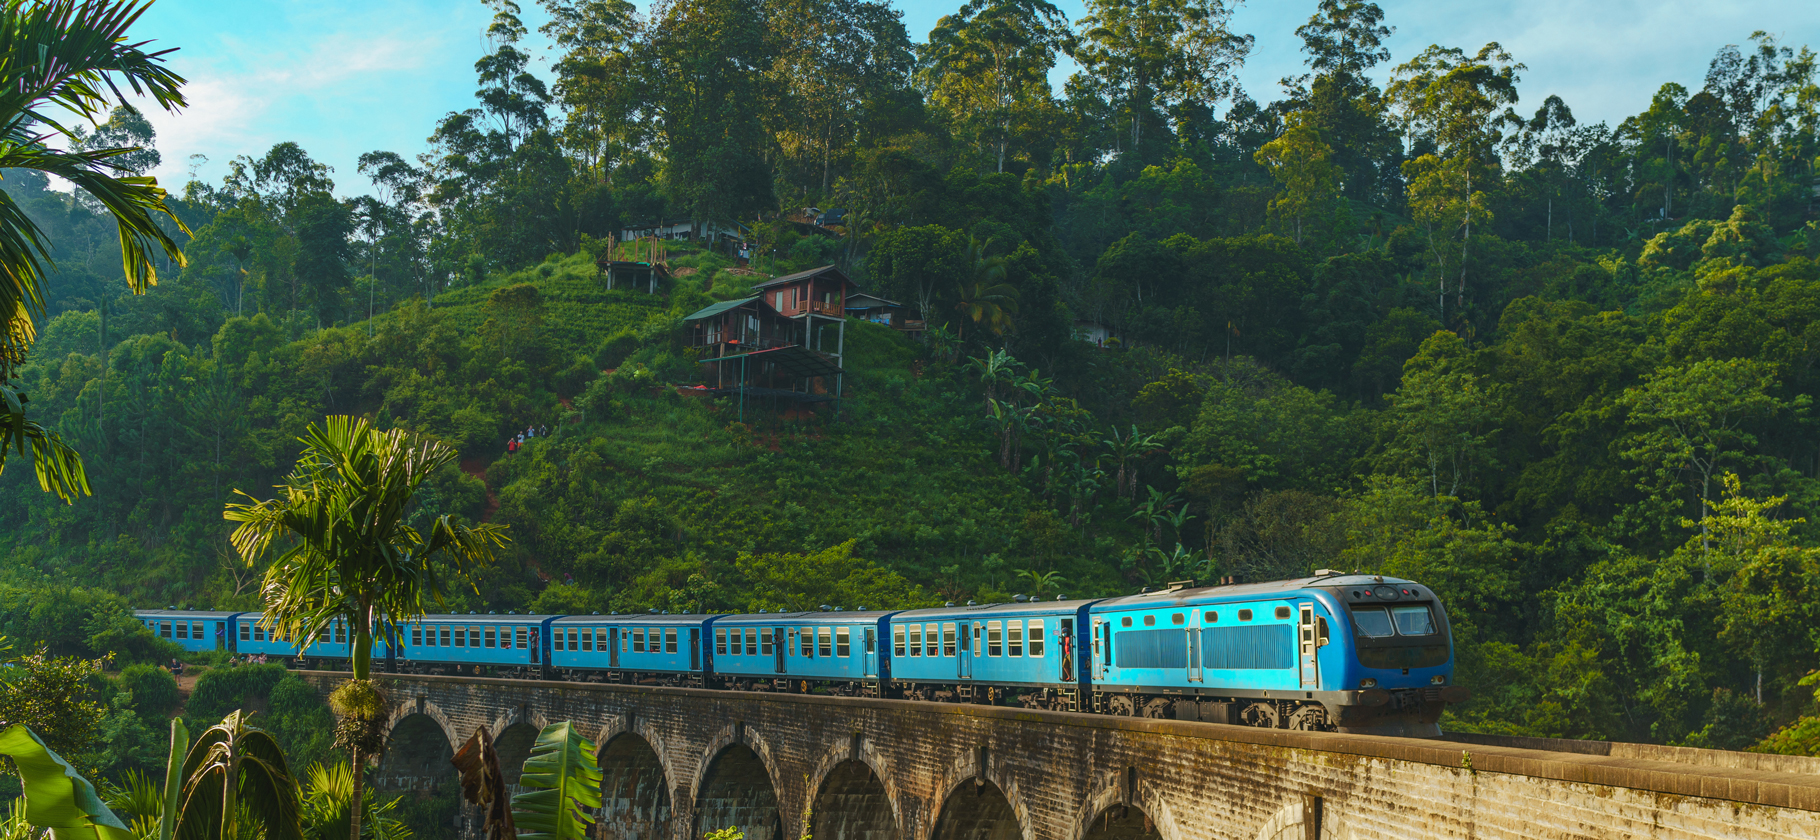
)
(679, 763)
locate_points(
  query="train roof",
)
(634, 618)
(482, 619)
(1013, 608)
(1240, 591)
(856, 616)
(184, 613)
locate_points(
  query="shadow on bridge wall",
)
(737, 791)
(1122, 822)
(635, 795)
(853, 805)
(977, 810)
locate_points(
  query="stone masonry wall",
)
(1082, 777)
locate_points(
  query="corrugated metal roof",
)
(801, 275)
(716, 309)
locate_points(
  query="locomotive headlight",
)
(1368, 683)
(1438, 679)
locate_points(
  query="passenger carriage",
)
(640, 649)
(836, 650)
(1027, 652)
(192, 630)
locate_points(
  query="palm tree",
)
(1126, 451)
(985, 298)
(351, 557)
(57, 58)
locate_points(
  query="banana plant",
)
(564, 783)
(56, 796)
(483, 785)
(234, 773)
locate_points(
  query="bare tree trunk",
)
(354, 808)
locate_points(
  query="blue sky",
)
(343, 77)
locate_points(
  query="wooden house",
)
(784, 342)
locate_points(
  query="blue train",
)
(1357, 653)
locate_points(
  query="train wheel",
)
(1310, 718)
(1121, 705)
(1263, 715)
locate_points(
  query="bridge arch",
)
(856, 789)
(735, 785)
(635, 801)
(1122, 806)
(980, 803)
(1290, 821)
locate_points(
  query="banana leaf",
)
(483, 785)
(56, 796)
(173, 778)
(565, 786)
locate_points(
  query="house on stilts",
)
(782, 345)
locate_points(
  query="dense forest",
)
(1561, 372)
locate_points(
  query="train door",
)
(871, 651)
(1306, 648)
(1194, 646)
(1098, 652)
(613, 647)
(695, 648)
(779, 646)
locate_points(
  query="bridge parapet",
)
(786, 766)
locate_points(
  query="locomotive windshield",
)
(1379, 622)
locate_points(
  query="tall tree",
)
(1151, 56)
(1462, 105)
(987, 67)
(831, 57)
(597, 81)
(1343, 41)
(705, 65)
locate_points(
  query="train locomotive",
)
(1353, 653)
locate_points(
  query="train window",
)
(752, 642)
(556, 638)
(445, 636)
(461, 637)
(932, 639)
(523, 636)
(1014, 638)
(1282, 612)
(473, 636)
(1176, 618)
(164, 629)
(246, 631)
(196, 631)
(587, 639)
(807, 638)
(978, 632)
(259, 634)
(1373, 622)
(843, 642)
(720, 641)
(638, 641)
(341, 633)
(994, 643)
(416, 635)
(1210, 617)
(574, 639)
(826, 635)
(1413, 620)
(916, 640)
(183, 629)
(897, 640)
(764, 640)
(1149, 621)
(948, 639)
(1125, 622)
(1244, 615)
(869, 639)
(489, 636)
(669, 640)
(1036, 637)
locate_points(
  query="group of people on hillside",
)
(517, 441)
